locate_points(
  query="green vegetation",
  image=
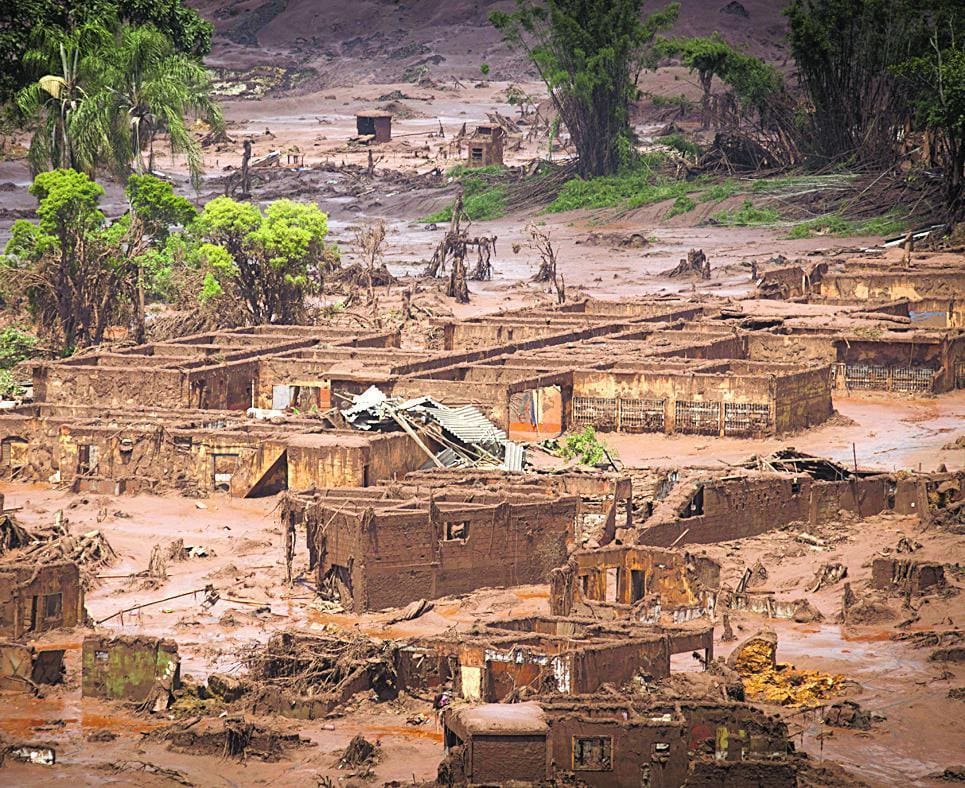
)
(719, 191)
(681, 144)
(9, 389)
(585, 446)
(589, 53)
(15, 346)
(916, 65)
(681, 205)
(752, 80)
(267, 260)
(633, 187)
(680, 101)
(748, 215)
(837, 225)
(77, 273)
(102, 98)
(483, 199)
(24, 21)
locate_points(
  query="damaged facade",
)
(602, 743)
(376, 550)
(37, 599)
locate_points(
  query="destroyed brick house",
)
(660, 366)
(485, 146)
(37, 599)
(376, 550)
(374, 126)
(524, 657)
(137, 669)
(601, 545)
(603, 742)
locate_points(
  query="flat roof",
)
(505, 719)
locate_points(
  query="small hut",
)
(486, 146)
(374, 124)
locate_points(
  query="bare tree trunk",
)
(245, 175)
(458, 288)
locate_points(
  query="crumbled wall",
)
(907, 576)
(396, 558)
(24, 605)
(129, 668)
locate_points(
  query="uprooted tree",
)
(543, 245)
(452, 250)
(590, 54)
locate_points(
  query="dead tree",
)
(448, 246)
(541, 242)
(458, 288)
(547, 272)
(370, 243)
(696, 263)
(485, 249)
(245, 175)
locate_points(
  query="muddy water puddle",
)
(896, 681)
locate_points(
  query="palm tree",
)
(148, 89)
(65, 62)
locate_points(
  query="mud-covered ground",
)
(350, 68)
(245, 562)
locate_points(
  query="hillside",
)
(335, 43)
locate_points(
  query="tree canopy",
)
(101, 97)
(869, 67)
(269, 260)
(590, 54)
(22, 22)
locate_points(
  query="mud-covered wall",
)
(625, 575)
(913, 285)
(863, 497)
(128, 668)
(734, 509)
(397, 557)
(111, 387)
(733, 731)
(639, 753)
(35, 602)
(496, 760)
(617, 663)
(802, 399)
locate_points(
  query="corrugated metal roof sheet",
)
(513, 456)
(465, 423)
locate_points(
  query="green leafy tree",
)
(935, 79)
(19, 21)
(109, 96)
(869, 67)
(706, 56)
(146, 88)
(844, 50)
(154, 210)
(272, 261)
(57, 99)
(753, 81)
(76, 272)
(590, 54)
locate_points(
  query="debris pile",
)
(90, 551)
(360, 755)
(463, 435)
(292, 671)
(755, 660)
(229, 737)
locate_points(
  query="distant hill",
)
(387, 40)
